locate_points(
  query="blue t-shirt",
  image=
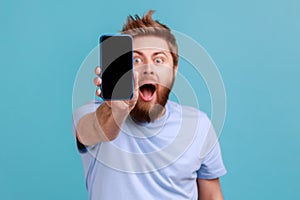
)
(158, 160)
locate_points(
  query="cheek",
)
(162, 95)
(165, 76)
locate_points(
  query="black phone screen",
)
(116, 61)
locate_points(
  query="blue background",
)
(255, 45)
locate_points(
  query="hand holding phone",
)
(121, 104)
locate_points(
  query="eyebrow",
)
(160, 52)
(138, 52)
(156, 53)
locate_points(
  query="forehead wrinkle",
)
(150, 42)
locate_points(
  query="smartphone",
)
(116, 62)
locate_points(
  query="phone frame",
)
(101, 67)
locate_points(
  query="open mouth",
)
(147, 91)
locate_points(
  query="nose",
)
(148, 69)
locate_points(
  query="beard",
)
(147, 112)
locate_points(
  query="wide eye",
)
(158, 60)
(137, 60)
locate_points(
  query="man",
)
(148, 147)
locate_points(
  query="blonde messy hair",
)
(146, 26)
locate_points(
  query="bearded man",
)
(148, 147)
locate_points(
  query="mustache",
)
(148, 79)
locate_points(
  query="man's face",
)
(154, 63)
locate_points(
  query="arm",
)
(209, 189)
(211, 168)
(104, 124)
(101, 125)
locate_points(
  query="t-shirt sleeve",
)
(212, 165)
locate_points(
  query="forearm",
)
(102, 125)
(211, 197)
(111, 118)
(209, 189)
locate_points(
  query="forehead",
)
(150, 42)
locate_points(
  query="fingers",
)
(97, 80)
(97, 71)
(98, 92)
